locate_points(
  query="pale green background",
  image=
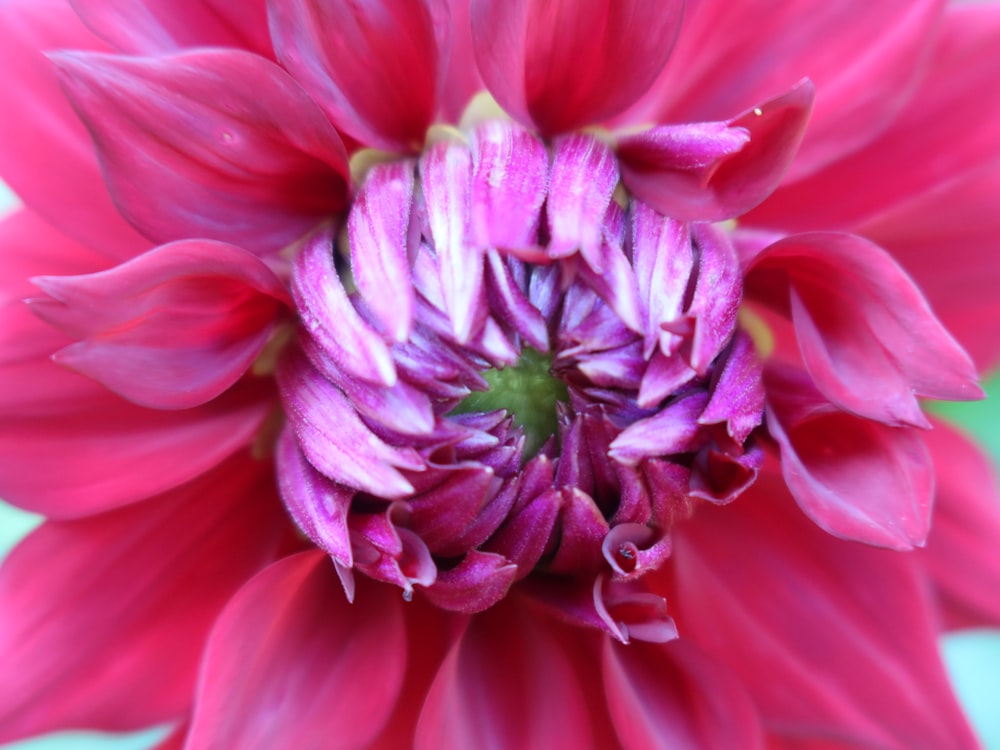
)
(973, 656)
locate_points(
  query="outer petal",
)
(102, 621)
(291, 664)
(866, 334)
(144, 27)
(173, 328)
(374, 67)
(559, 65)
(219, 144)
(948, 128)
(843, 639)
(864, 58)
(45, 142)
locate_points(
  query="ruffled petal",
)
(844, 643)
(291, 664)
(102, 620)
(556, 68)
(374, 67)
(215, 144)
(46, 141)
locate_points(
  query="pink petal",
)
(843, 644)
(867, 336)
(173, 328)
(229, 144)
(478, 582)
(737, 393)
(856, 478)
(374, 67)
(558, 68)
(684, 181)
(863, 57)
(508, 682)
(674, 697)
(46, 138)
(103, 620)
(948, 128)
(961, 554)
(291, 664)
(162, 26)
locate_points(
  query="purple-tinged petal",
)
(580, 530)
(525, 534)
(442, 512)
(481, 580)
(558, 67)
(379, 231)
(866, 334)
(374, 67)
(318, 506)
(329, 317)
(717, 295)
(583, 177)
(737, 181)
(674, 429)
(387, 551)
(147, 27)
(335, 439)
(857, 479)
(664, 376)
(738, 391)
(230, 146)
(510, 177)
(445, 173)
(632, 550)
(621, 367)
(616, 283)
(171, 329)
(508, 299)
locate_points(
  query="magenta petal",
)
(145, 27)
(481, 580)
(559, 67)
(856, 478)
(814, 605)
(379, 230)
(229, 144)
(94, 629)
(674, 429)
(515, 309)
(674, 696)
(716, 298)
(171, 329)
(679, 180)
(291, 664)
(867, 336)
(374, 67)
(738, 392)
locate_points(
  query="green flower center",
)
(528, 391)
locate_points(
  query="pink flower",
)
(394, 414)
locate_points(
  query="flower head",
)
(574, 337)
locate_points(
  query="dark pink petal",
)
(525, 534)
(559, 67)
(374, 67)
(46, 137)
(947, 240)
(674, 429)
(171, 329)
(721, 476)
(737, 393)
(864, 58)
(103, 620)
(441, 512)
(146, 27)
(387, 551)
(226, 142)
(291, 664)
(856, 478)
(961, 554)
(948, 128)
(866, 334)
(481, 580)
(379, 231)
(844, 643)
(674, 697)
(679, 180)
(508, 682)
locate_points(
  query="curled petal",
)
(632, 549)
(171, 329)
(674, 429)
(866, 334)
(558, 66)
(721, 476)
(478, 582)
(856, 478)
(717, 177)
(374, 67)
(384, 549)
(738, 392)
(230, 146)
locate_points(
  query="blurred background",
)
(973, 657)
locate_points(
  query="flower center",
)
(528, 391)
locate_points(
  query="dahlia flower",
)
(496, 373)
